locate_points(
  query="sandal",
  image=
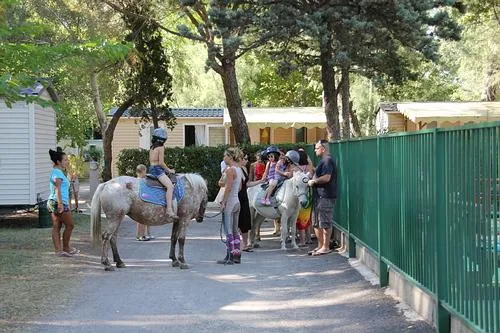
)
(318, 253)
(73, 251)
(247, 250)
(312, 252)
(63, 254)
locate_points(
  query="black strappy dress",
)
(244, 222)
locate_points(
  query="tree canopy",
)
(230, 53)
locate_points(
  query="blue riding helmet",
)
(272, 149)
(160, 133)
(293, 156)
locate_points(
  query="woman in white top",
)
(230, 205)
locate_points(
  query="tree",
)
(62, 41)
(150, 81)
(476, 59)
(362, 37)
(148, 87)
(228, 31)
(97, 48)
(268, 84)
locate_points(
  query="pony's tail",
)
(95, 216)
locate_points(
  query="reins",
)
(209, 217)
(221, 223)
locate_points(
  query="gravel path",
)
(271, 291)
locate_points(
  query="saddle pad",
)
(156, 195)
(259, 197)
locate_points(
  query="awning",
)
(298, 117)
(454, 111)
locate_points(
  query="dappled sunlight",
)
(204, 238)
(293, 304)
(288, 323)
(325, 273)
(232, 278)
(205, 320)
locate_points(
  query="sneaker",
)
(263, 201)
(268, 202)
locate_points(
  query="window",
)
(194, 135)
(216, 136)
(265, 135)
(301, 135)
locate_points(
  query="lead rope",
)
(221, 223)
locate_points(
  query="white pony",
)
(289, 198)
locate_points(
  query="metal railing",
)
(427, 203)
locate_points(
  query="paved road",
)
(271, 291)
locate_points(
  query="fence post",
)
(352, 242)
(93, 178)
(383, 272)
(440, 235)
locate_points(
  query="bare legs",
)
(75, 194)
(277, 227)
(302, 237)
(323, 236)
(269, 191)
(142, 232)
(165, 181)
(246, 243)
(57, 221)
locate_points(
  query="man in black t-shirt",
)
(324, 186)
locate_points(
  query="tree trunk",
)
(354, 121)
(489, 86)
(233, 101)
(107, 138)
(346, 106)
(154, 115)
(96, 100)
(329, 89)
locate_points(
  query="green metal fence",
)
(427, 203)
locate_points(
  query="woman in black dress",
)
(244, 223)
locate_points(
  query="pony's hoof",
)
(295, 247)
(256, 245)
(183, 266)
(176, 263)
(283, 248)
(109, 269)
(120, 265)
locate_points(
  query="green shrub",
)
(93, 154)
(202, 160)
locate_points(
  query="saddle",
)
(152, 191)
(272, 197)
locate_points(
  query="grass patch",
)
(34, 282)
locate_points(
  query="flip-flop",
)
(73, 251)
(317, 253)
(63, 254)
(312, 252)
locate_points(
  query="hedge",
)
(202, 160)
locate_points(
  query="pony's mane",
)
(197, 181)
